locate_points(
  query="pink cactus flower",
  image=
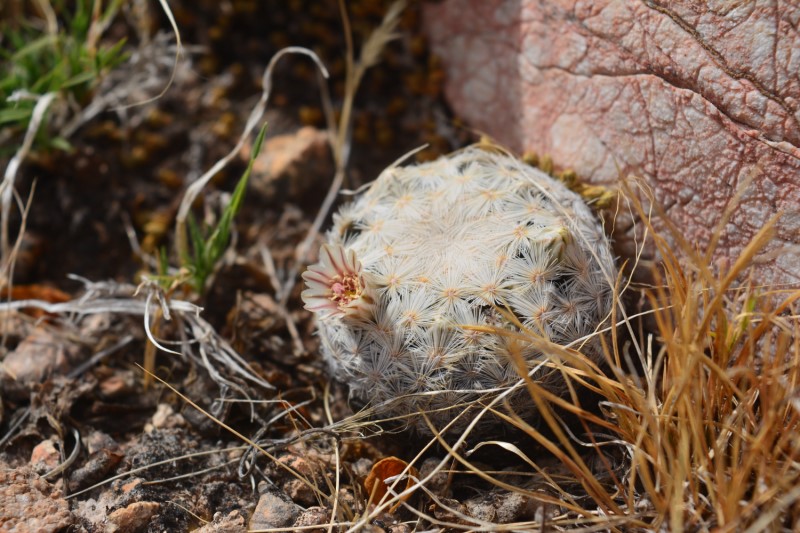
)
(336, 286)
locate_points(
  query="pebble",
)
(99, 465)
(39, 355)
(502, 508)
(439, 482)
(274, 510)
(234, 522)
(290, 166)
(45, 456)
(132, 518)
(165, 417)
(299, 491)
(313, 516)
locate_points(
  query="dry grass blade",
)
(178, 50)
(340, 131)
(370, 54)
(214, 351)
(378, 39)
(8, 263)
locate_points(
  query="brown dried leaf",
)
(386, 468)
(34, 292)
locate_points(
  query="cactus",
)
(430, 251)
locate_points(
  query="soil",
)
(88, 442)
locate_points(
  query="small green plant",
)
(207, 245)
(58, 53)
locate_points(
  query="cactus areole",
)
(420, 271)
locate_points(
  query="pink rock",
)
(132, 518)
(292, 165)
(38, 356)
(28, 503)
(274, 510)
(45, 456)
(693, 96)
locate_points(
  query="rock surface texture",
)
(692, 96)
(28, 503)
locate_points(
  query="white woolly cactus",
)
(430, 251)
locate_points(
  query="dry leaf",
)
(386, 468)
(34, 292)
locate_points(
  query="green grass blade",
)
(34, 47)
(218, 240)
(15, 114)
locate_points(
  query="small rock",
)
(39, 355)
(438, 483)
(132, 518)
(45, 456)
(450, 511)
(297, 463)
(92, 512)
(98, 440)
(299, 491)
(313, 516)
(114, 386)
(291, 166)
(481, 509)
(165, 417)
(100, 463)
(512, 507)
(361, 467)
(31, 504)
(501, 508)
(129, 487)
(274, 510)
(234, 522)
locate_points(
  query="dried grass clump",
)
(712, 425)
(707, 425)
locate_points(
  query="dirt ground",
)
(87, 444)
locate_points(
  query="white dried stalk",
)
(7, 186)
(108, 297)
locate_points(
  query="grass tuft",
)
(62, 53)
(708, 425)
